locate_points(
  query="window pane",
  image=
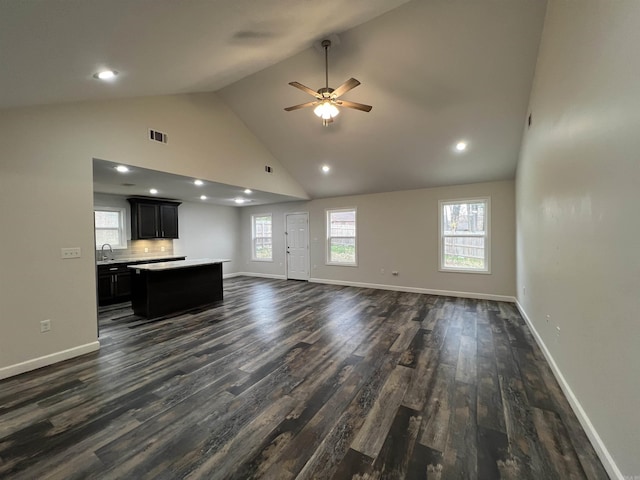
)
(263, 248)
(110, 236)
(105, 219)
(342, 250)
(342, 224)
(464, 252)
(468, 218)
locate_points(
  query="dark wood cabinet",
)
(114, 280)
(160, 292)
(151, 218)
(114, 284)
(169, 220)
(105, 289)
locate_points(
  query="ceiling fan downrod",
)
(326, 44)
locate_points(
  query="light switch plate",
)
(74, 252)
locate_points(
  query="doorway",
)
(297, 245)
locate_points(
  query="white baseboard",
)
(401, 288)
(260, 275)
(40, 362)
(599, 446)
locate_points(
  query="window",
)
(262, 246)
(109, 224)
(341, 237)
(464, 235)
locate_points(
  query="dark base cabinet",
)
(114, 281)
(114, 284)
(160, 292)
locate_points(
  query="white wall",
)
(398, 231)
(46, 202)
(209, 231)
(577, 215)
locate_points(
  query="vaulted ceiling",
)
(435, 71)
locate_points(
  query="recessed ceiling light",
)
(461, 146)
(326, 168)
(122, 169)
(248, 191)
(198, 182)
(239, 200)
(153, 191)
(203, 197)
(105, 74)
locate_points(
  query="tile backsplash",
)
(136, 248)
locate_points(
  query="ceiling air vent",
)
(157, 136)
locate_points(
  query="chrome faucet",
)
(104, 257)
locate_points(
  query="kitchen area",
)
(149, 224)
(155, 283)
(158, 255)
(152, 227)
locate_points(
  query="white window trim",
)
(253, 237)
(328, 243)
(123, 225)
(487, 236)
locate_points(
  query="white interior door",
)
(297, 234)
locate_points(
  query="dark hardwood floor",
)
(287, 379)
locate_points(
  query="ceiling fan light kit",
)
(327, 103)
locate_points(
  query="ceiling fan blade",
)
(305, 89)
(357, 106)
(345, 87)
(302, 105)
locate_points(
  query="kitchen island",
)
(159, 289)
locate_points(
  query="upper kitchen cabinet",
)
(151, 218)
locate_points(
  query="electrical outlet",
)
(75, 252)
(162, 249)
(146, 250)
(524, 291)
(548, 318)
(382, 271)
(45, 326)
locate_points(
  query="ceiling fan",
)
(327, 99)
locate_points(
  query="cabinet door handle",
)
(114, 268)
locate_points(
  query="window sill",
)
(462, 270)
(341, 264)
(262, 260)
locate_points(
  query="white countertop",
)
(196, 262)
(136, 259)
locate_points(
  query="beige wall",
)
(398, 231)
(46, 201)
(577, 215)
(209, 231)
